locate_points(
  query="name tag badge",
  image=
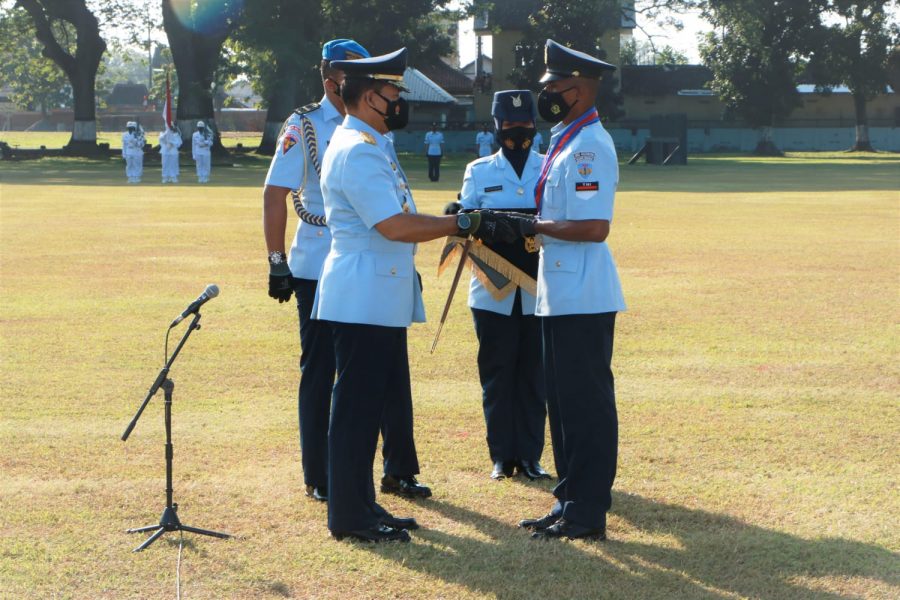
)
(585, 190)
(493, 188)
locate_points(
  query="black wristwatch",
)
(276, 257)
(463, 221)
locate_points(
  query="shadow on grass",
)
(700, 555)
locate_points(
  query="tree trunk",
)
(863, 144)
(81, 69)
(766, 145)
(196, 56)
(282, 102)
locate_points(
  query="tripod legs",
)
(170, 522)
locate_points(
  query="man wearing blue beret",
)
(578, 294)
(296, 168)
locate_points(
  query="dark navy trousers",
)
(512, 383)
(317, 365)
(581, 401)
(434, 167)
(372, 382)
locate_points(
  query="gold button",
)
(393, 271)
(558, 264)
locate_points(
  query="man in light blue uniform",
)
(509, 335)
(484, 142)
(296, 166)
(434, 150)
(368, 290)
(578, 294)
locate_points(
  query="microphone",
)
(211, 291)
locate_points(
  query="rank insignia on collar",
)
(585, 169)
(288, 142)
(367, 137)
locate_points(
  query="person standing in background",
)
(133, 151)
(201, 142)
(434, 150)
(169, 143)
(484, 142)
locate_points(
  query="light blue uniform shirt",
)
(485, 142)
(433, 141)
(291, 168)
(366, 277)
(579, 277)
(491, 182)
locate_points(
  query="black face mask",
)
(552, 107)
(396, 115)
(516, 138)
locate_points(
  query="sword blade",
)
(459, 269)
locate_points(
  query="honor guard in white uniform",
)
(578, 294)
(201, 143)
(296, 168)
(133, 151)
(484, 142)
(369, 291)
(169, 143)
(509, 335)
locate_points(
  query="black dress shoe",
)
(319, 493)
(532, 469)
(540, 523)
(404, 486)
(502, 469)
(380, 533)
(572, 531)
(390, 520)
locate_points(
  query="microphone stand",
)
(169, 520)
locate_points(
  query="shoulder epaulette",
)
(303, 110)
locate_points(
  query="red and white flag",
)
(167, 108)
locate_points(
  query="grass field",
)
(757, 378)
(56, 139)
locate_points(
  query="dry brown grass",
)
(756, 371)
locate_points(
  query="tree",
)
(37, 83)
(279, 45)
(196, 36)
(579, 25)
(755, 55)
(55, 22)
(853, 46)
(638, 52)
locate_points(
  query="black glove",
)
(523, 224)
(451, 208)
(280, 282)
(489, 227)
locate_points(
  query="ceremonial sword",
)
(459, 269)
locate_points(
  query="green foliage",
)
(385, 25)
(37, 83)
(853, 46)
(755, 54)
(639, 52)
(577, 25)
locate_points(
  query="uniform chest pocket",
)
(563, 258)
(393, 266)
(553, 204)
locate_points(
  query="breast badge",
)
(585, 169)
